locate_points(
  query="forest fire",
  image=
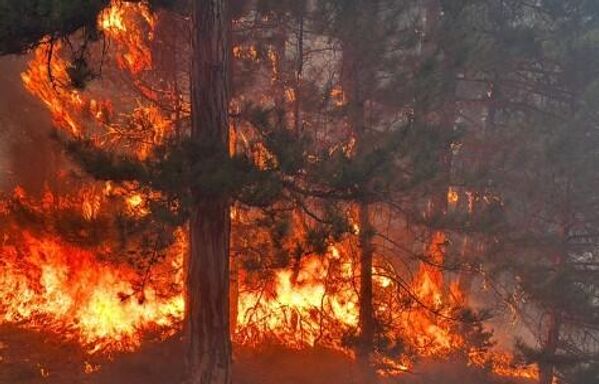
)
(68, 291)
(73, 261)
(49, 284)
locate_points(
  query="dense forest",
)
(400, 183)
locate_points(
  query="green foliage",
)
(24, 23)
(543, 62)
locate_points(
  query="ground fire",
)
(101, 262)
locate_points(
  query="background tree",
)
(525, 174)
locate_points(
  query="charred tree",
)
(207, 320)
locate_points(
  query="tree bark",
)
(207, 317)
(546, 368)
(367, 323)
(554, 322)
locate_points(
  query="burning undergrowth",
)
(74, 288)
(71, 286)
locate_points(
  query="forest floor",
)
(28, 357)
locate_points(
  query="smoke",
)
(27, 156)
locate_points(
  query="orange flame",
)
(67, 289)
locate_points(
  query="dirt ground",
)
(28, 357)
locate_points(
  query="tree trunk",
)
(366, 299)
(554, 322)
(234, 292)
(207, 318)
(546, 367)
(356, 109)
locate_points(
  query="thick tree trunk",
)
(209, 344)
(207, 320)
(366, 300)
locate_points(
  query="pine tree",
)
(535, 183)
(396, 158)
